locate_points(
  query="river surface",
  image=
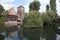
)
(57, 38)
(34, 34)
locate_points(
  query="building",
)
(15, 18)
(20, 11)
(11, 17)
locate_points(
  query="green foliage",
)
(57, 21)
(49, 28)
(47, 7)
(53, 5)
(2, 27)
(2, 20)
(48, 16)
(33, 19)
(5, 13)
(35, 5)
(1, 10)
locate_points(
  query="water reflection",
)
(12, 36)
(58, 37)
(33, 34)
(39, 33)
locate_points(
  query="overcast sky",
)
(15, 3)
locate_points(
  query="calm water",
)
(36, 34)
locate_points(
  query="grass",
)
(2, 20)
(2, 27)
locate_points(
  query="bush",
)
(33, 19)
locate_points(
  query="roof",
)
(12, 15)
(12, 11)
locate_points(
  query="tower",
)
(21, 10)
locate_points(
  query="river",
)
(35, 34)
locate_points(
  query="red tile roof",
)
(9, 10)
(12, 12)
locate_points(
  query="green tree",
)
(2, 20)
(33, 19)
(5, 13)
(53, 5)
(35, 5)
(48, 16)
(47, 7)
(49, 28)
(1, 10)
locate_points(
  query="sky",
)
(16, 3)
